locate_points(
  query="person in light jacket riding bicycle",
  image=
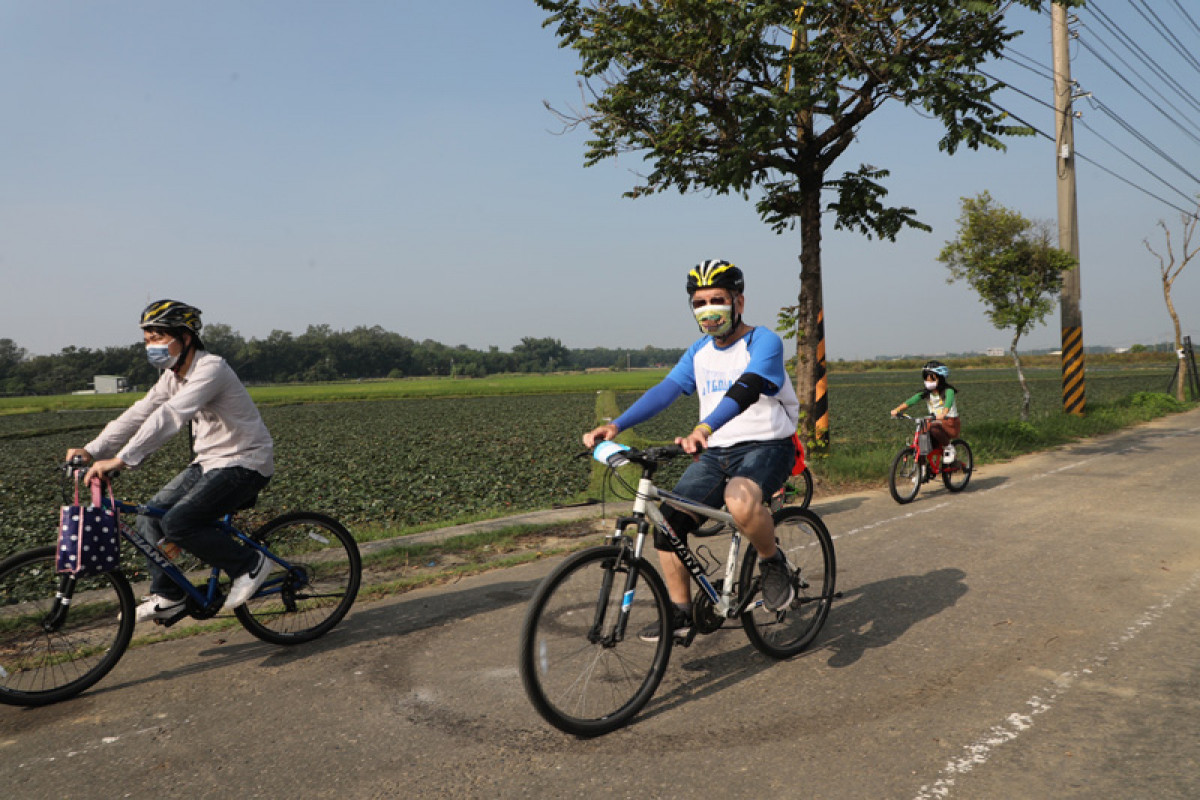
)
(742, 446)
(234, 455)
(941, 399)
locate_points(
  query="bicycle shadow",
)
(711, 675)
(368, 624)
(877, 614)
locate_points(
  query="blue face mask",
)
(159, 356)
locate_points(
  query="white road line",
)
(978, 752)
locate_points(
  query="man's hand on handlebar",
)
(695, 442)
(606, 432)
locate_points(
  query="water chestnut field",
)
(395, 456)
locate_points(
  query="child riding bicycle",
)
(234, 455)
(942, 402)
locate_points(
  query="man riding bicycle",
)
(234, 455)
(743, 444)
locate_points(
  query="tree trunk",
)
(810, 334)
(1181, 368)
(1026, 401)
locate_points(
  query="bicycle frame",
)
(645, 512)
(204, 603)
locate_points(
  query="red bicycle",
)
(921, 461)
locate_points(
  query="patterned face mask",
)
(159, 356)
(716, 321)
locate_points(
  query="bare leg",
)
(743, 498)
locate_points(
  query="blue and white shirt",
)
(710, 370)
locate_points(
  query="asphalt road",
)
(1036, 636)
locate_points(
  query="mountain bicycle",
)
(584, 667)
(60, 634)
(920, 462)
(798, 492)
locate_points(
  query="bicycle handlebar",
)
(616, 455)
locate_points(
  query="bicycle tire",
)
(40, 665)
(805, 540)
(904, 478)
(957, 475)
(806, 492)
(585, 681)
(306, 602)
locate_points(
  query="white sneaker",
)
(244, 586)
(158, 607)
(948, 454)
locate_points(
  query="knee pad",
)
(681, 522)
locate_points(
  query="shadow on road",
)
(877, 614)
(370, 623)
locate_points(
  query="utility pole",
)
(1068, 219)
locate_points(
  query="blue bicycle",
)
(60, 634)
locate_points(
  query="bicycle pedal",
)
(171, 620)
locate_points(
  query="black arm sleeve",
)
(748, 388)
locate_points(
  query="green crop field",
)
(380, 459)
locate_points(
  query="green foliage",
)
(384, 465)
(711, 93)
(1009, 262)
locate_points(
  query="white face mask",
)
(159, 356)
(931, 385)
(716, 321)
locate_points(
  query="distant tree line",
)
(318, 354)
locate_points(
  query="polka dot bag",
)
(88, 539)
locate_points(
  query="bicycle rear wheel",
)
(957, 474)
(904, 480)
(50, 651)
(581, 674)
(306, 601)
(805, 541)
(803, 484)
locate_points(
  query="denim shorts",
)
(767, 463)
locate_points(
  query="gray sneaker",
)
(777, 585)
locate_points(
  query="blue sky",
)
(282, 164)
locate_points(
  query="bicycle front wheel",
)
(49, 650)
(957, 474)
(804, 539)
(904, 480)
(306, 600)
(585, 672)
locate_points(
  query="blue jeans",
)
(195, 500)
(767, 463)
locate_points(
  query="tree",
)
(1168, 270)
(735, 97)
(540, 355)
(1010, 263)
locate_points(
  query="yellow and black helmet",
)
(172, 314)
(715, 274)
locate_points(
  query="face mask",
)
(159, 356)
(716, 321)
(931, 385)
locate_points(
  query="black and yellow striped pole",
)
(1072, 369)
(1068, 228)
(821, 398)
